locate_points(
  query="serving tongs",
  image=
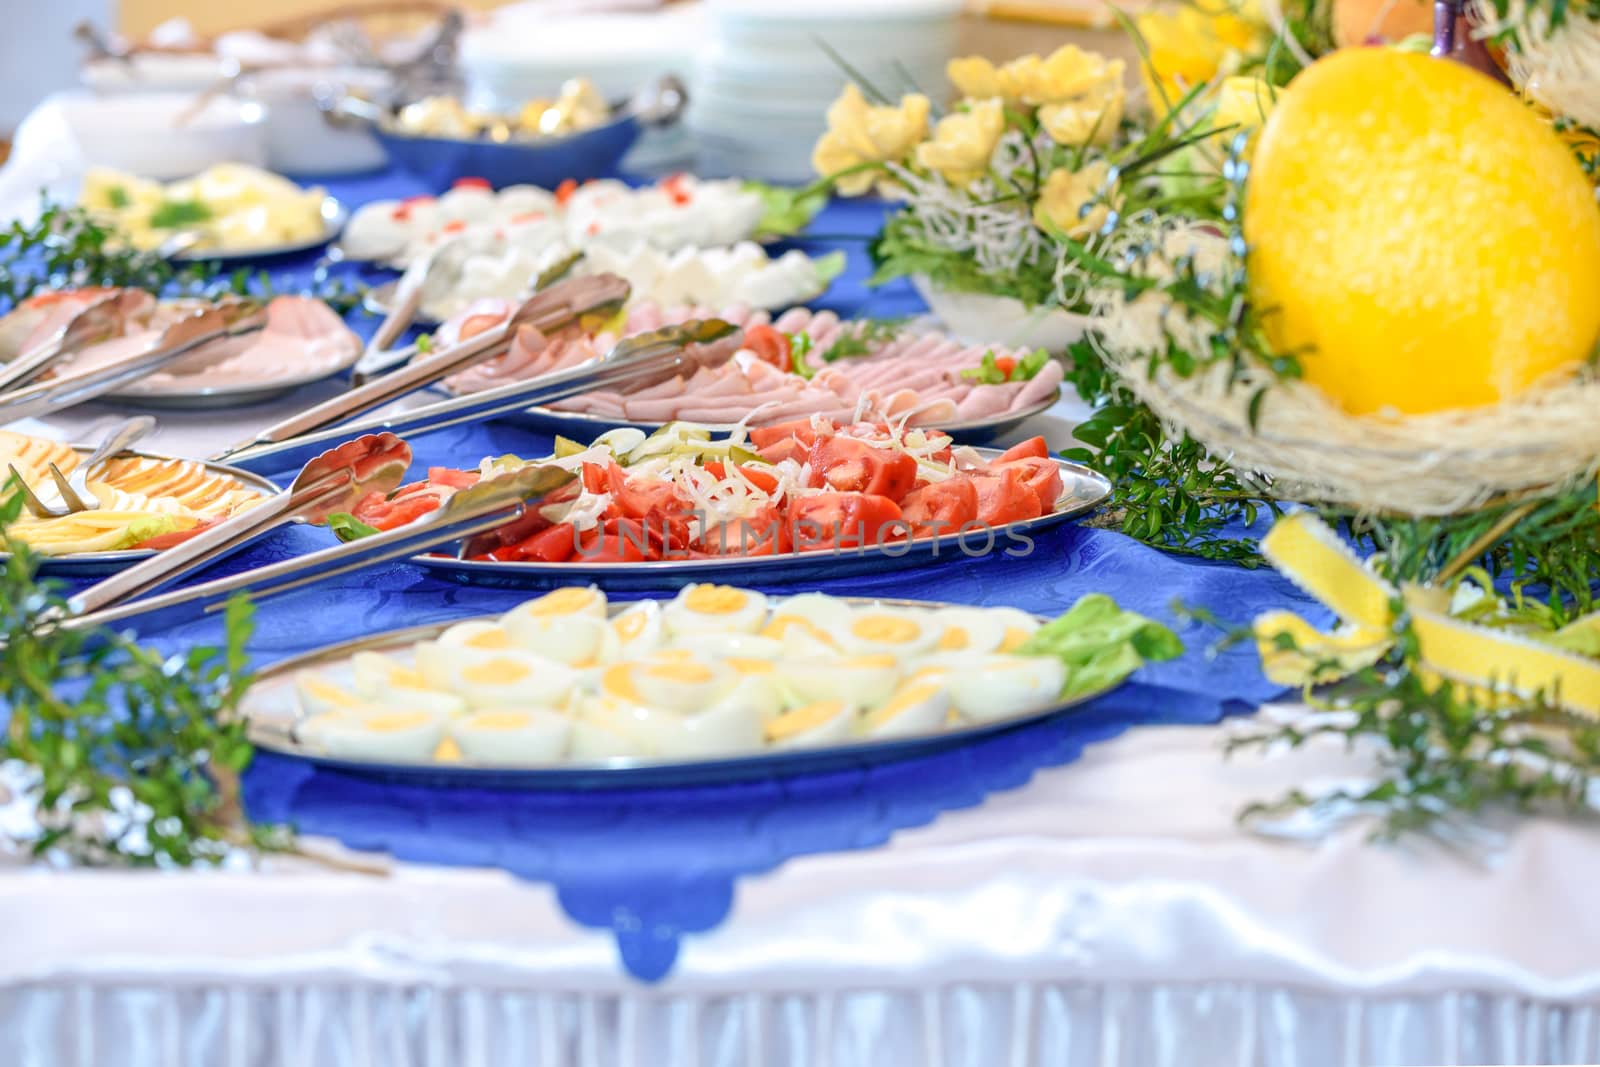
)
(204, 327)
(406, 296)
(95, 322)
(571, 302)
(471, 511)
(332, 482)
(635, 363)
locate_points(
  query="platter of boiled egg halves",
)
(715, 683)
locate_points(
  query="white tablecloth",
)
(1110, 912)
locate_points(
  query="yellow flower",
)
(974, 77)
(1076, 202)
(859, 133)
(963, 142)
(1244, 104)
(1089, 100)
(1189, 46)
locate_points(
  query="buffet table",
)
(1074, 892)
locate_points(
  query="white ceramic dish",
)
(300, 140)
(139, 132)
(157, 72)
(978, 318)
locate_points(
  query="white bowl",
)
(139, 133)
(148, 72)
(980, 318)
(300, 140)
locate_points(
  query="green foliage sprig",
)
(1445, 754)
(124, 755)
(1168, 492)
(66, 247)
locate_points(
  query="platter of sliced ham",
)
(304, 341)
(799, 364)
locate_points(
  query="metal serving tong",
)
(205, 326)
(332, 482)
(635, 363)
(470, 511)
(549, 311)
(95, 322)
(405, 299)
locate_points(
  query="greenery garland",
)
(123, 755)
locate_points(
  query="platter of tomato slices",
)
(800, 501)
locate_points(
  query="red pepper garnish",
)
(565, 190)
(471, 183)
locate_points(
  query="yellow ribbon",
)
(1501, 663)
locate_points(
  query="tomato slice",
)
(843, 520)
(617, 541)
(1043, 478)
(409, 504)
(1033, 447)
(941, 507)
(554, 544)
(763, 533)
(769, 345)
(595, 478)
(765, 481)
(453, 478)
(848, 465)
(783, 433)
(1005, 496)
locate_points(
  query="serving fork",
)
(74, 491)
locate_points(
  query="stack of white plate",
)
(762, 87)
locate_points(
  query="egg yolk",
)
(954, 639)
(495, 672)
(629, 626)
(1015, 636)
(407, 678)
(448, 751)
(327, 692)
(680, 671)
(568, 601)
(782, 624)
(617, 681)
(393, 722)
(879, 662)
(489, 639)
(497, 720)
(802, 719)
(886, 629)
(673, 655)
(750, 666)
(907, 698)
(715, 600)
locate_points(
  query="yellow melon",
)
(1423, 240)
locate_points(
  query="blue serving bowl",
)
(441, 161)
(548, 161)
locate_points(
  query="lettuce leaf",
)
(1100, 644)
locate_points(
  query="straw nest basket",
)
(1422, 465)
(1560, 68)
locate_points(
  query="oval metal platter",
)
(273, 711)
(1082, 490)
(100, 564)
(583, 427)
(240, 394)
(334, 216)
